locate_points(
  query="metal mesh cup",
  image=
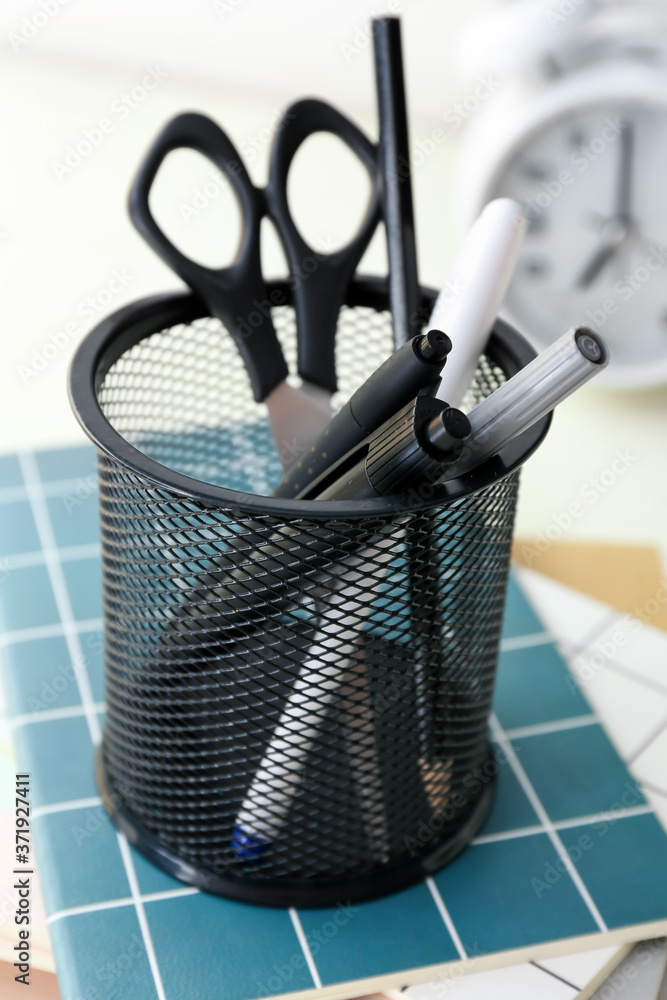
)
(297, 692)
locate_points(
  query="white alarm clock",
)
(585, 152)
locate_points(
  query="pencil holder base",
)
(308, 893)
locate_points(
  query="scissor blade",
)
(297, 419)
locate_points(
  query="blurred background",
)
(87, 86)
(64, 223)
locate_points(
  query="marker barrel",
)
(532, 393)
(468, 304)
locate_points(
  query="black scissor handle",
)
(319, 280)
(235, 294)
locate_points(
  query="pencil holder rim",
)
(125, 327)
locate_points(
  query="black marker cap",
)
(447, 430)
(433, 346)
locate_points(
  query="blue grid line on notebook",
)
(540, 819)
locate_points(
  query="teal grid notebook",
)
(571, 857)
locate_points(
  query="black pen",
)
(426, 441)
(417, 444)
(414, 367)
(406, 316)
(424, 434)
(395, 185)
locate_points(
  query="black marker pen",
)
(417, 444)
(414, 367)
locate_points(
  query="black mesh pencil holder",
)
(297, 693)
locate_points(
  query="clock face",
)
(593, 184)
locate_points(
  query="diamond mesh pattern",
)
(214, 618)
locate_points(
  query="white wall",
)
(64, 229)
(277, 47)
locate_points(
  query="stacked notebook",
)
(572, 857)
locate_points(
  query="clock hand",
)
(618, 227)
(616, 235)
(624, 188)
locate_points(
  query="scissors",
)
(233, 293)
